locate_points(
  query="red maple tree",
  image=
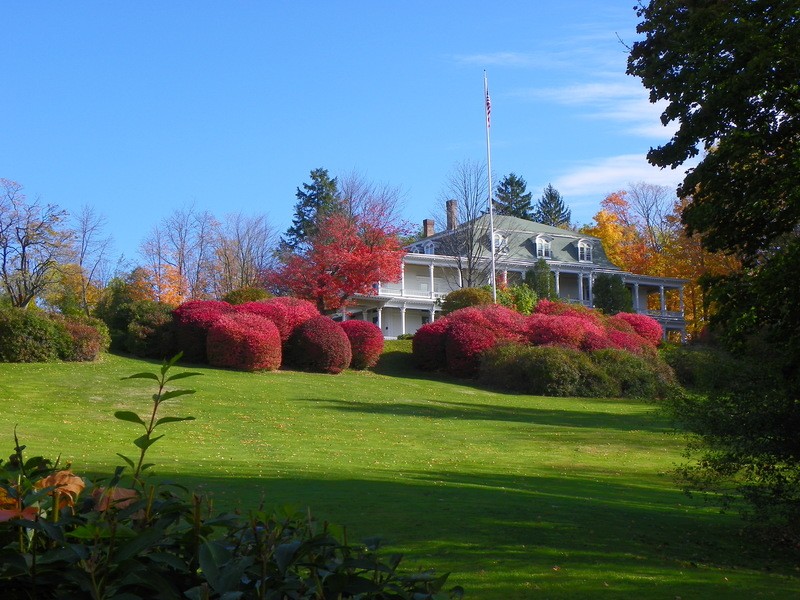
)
(347, 255)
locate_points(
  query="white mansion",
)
(429, 273)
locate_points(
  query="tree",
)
(729, 74)
(344, 256)
(551, 210)
(542, 281)
(32, 244)
(243, 249)
(512, 198)
(315, 200)
(610, 294)
(91, 248)
(468, 242)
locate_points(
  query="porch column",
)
(433, 313)
(403, 319)
(430, 276)
(591, 287)
(403, 280)
(636, 297)
(663, 300)
(580, 288)
(379, 310)
(558, 283)
(460, 278)
(505, 277)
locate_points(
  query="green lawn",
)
(517, 496)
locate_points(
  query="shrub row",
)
(560, 349)
(35, 336)
(259, 335)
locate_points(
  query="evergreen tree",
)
(610, 294)
(551, 210)
(542, 281)
(511, 198)
(318, 198)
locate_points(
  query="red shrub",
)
(504, 323)
(427, 346)
(286, 312)
(244, 341)
(192, 321)
(86, 341)
(548, 307)
(645, 326)
(567, 330)
(366, 343)
(465, 341)
(630, 341)
(319, 344)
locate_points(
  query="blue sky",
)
(140, 108)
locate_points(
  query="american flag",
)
(488, 110)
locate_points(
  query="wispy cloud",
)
(613, 173)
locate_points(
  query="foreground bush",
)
(192, 321)
(319, 344)
(62, 536)
(366, 343)
(31, 336)
(286, 312)
(458, 299)
(427, 346)
(244, 341)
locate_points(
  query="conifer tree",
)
(551, 210)
(316, 199)
(512, 198)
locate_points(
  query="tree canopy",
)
(317, 198)
(551, 209)
(512, 198)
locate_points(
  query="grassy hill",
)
(516, 496)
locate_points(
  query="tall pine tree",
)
(551, 210)
(318, 198)
(512, 198)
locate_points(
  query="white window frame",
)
(544, 247)
(584, 251)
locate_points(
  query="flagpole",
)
(489, 168)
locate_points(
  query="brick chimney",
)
(452, 214)
(427, 228)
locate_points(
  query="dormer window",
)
(500, 243)
(584, 251)
(429, 248)
(543, 247)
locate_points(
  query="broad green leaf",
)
(152, 376)
(173, 420)
(127, 460)
(183, 375)
(130, 416)
(175, 394)
(149, 537)
(144, 442)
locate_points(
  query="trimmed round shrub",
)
(245, 341)
(549, 307)
(644, 326)
(473, 330)
(32, 336)
(192, 321)
(286, 312)
(458, 299)
(246, 294)
(366, 343)
(427, 346)
(630, 341)
(319, 344)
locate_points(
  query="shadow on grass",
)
(438, 409)
(571, 537)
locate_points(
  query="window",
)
(543, 247)
(584, 251)
(429, 248)
(500, 243)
